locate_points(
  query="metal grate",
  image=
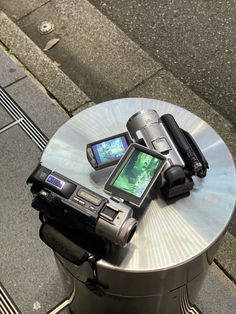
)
(22, 120)
(7, 306)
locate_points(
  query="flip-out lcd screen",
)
(135, 174)
(107, 151)
(110, 150)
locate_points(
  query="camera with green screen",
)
(135, 174)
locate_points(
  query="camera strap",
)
(93, 284)
(60, 242)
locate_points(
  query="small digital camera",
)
(75, 206)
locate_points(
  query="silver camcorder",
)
(184, 158)
(70, 204)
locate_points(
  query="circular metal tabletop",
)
(167, 235)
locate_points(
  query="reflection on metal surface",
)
(7, 306)
(23, 120)
(168, 235)
(186, 306)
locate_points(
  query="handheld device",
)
(77, 207)
(108, 151)
(184, 158)
(135, 174)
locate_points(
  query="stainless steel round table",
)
(162, 268)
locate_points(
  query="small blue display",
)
(55, 182)
(110, 150)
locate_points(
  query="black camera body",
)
(75, 206)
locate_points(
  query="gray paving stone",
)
(218, 293)
(28, 270)
(38, 106)
(5, 118)
(9, 71)
(195, 40)
(55, 81)
(19, 8)
(100, 58)
(226, 255)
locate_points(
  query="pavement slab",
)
(226, 255)
(53, 79)
(195, 40)
(218, 293)
(9, 71)
(16, 9)
(38, 105)
(28, 270)
(5, 118)
(92, 51)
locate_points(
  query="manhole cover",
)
(46, 27)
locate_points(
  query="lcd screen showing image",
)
(110, 150)
(135, 174)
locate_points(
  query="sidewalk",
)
(28, 270)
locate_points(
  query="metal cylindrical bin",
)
(163, 267)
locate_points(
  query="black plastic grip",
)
(175, 131)
(62, 245)
(199, 153)
(186, 151)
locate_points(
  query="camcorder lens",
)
(132, 232)
(127, 231)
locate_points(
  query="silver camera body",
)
(184, 157)
(145, 127)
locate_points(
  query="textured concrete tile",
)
(28, 270)
(92, 51)
(9, 71)
(195, 40)
(18, 8)
(218, 293)
(226, 255)
(165, 86)
(57, 83)
(5, 118)
(38, 106)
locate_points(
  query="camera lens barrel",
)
(121, 230)
(126, 232)
(141, 120)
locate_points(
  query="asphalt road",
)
(195, 40)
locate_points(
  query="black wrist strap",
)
(73, 246)
(62, 245)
